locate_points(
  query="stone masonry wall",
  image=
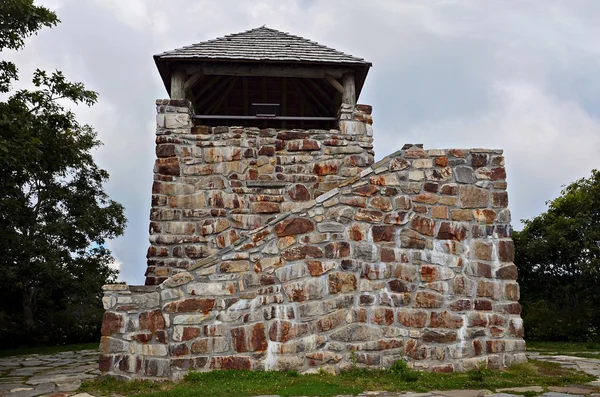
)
(410, 259)
(214, 184)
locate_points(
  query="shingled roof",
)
(262, 44)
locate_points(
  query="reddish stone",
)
(483, 304)
(382, 316)
(480, 269)
(368, 216)
(340, 282)
(111, 323)
(366, 190)
(511, 292)
(354, 201)
(416, 349)
(412, 318)
(498, 174)
(460, 305)
(284, 331)
(449, 190)
(230, 362)
(494, 346)
(511, 308)
(303, 145)
(104, 363)
(426, 299)
(265, 207)
(356, 233)
(398, 164)
(299, 192)
(190, 305)
(266, 151)
(289, 135)
(482, 250)
(325, 169)
(478, 347)
(165, 151)
(506, 250)
(451, 231)
(500, 199)
(167, 166)
(462, 153)
(437, 336)
(441, 161)
(445, 369)
(445, 320)
(190, 333)
(338, 249)
(302, 252)
(429, 273)
(509, 272)
(381, 203)
(485, 216)
(179, 349)
(255, 341)
(415, 153)
(398, 286)
(411, 239)
(383, 233)
(516, 329)
(473, 197)
(426, 198)
(423, 225)
(479, 159)
(152, 320)
(388, 255)
(293, 226)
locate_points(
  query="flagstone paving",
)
(61, 374)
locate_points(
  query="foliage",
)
(352, 382)
(54, 213)
(558, 256)
(404, 373)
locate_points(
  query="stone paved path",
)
(38, 375)
(60, 375)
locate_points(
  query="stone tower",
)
(277, 243)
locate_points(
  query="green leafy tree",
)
(558, 256)
(54, 213)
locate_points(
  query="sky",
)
(520, 75)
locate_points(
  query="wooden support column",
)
(349, 95)
(178, 84)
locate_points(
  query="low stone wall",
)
(214, 184)
(410, 259)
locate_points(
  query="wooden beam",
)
(349, 95)
(313, 97)
(192, 81)
(266, 70)
(304, 103)
(177, 84)
(245, 89)
(218, 102)
(214, 92)
(334, 83)
(207, 86)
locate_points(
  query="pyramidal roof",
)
(262, 44)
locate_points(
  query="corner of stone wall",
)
(134, 339)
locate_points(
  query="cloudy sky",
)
(522, 75)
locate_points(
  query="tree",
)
(55, 216)
(558, 256)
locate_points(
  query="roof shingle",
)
(262, 44)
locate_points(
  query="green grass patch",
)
(398, 378)
(48, 349)
(563, 347)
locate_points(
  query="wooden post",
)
(349, 95)
(178, 84)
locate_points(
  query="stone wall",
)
(214, 184)
(410, 259)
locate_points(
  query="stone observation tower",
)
(276, 241)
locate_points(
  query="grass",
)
(585, 350)
(48, 349)
(399, 378)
